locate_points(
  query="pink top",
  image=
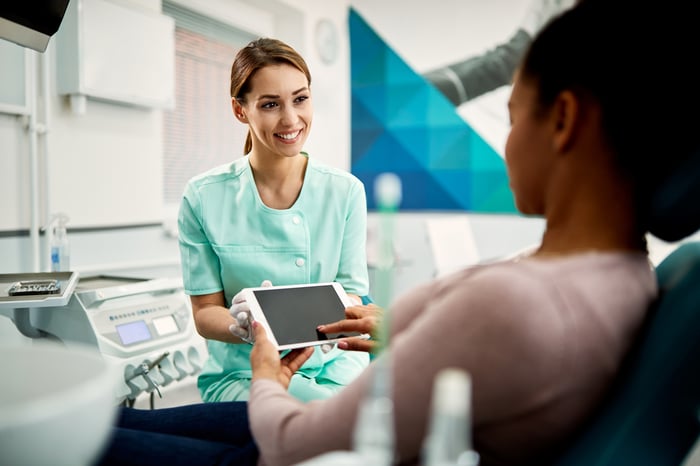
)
(541, 339)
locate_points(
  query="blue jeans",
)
(198, 434)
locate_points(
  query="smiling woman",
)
(274, 215)
(278, 110)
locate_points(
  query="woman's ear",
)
(238, 110)
(566, 114)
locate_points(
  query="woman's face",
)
(278, 110)
(529, 149)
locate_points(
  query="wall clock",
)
(326, 40)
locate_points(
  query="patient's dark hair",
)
(636, 59)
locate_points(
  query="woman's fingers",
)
(365, 325)
(357, 344)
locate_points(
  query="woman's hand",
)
(265, 359)
(362, 319)
(240, 311)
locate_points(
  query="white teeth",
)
(289, 136)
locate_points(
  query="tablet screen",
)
(294, 313)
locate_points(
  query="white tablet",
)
(291, 313)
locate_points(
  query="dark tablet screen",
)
(294, 313)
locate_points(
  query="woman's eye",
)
(269, 105)
(302, 98)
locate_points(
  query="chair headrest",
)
(675, 206)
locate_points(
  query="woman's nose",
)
(289, 115)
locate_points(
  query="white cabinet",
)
(110, 52)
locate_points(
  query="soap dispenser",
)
(60, 247)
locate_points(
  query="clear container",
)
(448, 441)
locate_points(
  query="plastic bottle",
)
(60, 247)
(373, 437)
(448, 439)
(387, 193)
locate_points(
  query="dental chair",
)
(652, 415)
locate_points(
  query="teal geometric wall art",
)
(402, 124)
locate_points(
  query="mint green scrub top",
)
(230, 240)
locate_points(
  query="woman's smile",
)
(289, 137)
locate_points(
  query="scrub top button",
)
(296, 220)
(299, 262)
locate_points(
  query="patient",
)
(541, 335)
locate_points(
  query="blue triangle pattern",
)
(403, 124)
(414, 99)
(398, 72)
(395, 157)
(419, 186)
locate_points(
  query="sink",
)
(56, 404)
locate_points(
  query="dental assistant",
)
(273, 214)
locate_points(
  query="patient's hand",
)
(361, 319)
(265, 359)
